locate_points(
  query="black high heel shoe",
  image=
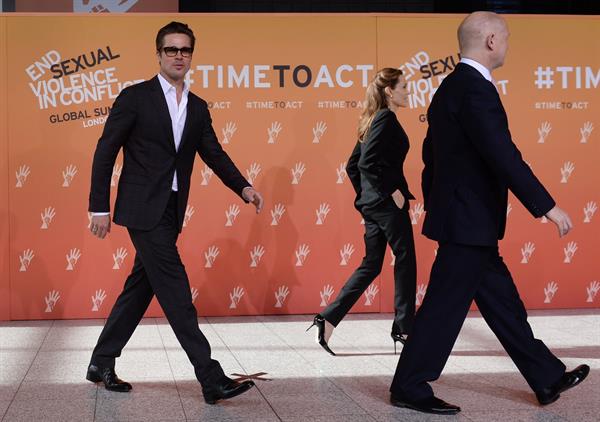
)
(397, 336)
(322, 336)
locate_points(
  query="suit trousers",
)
(461, 274)
(158, 270)
(384, 223)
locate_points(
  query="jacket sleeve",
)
(216, 158)
(352, 168)
(117, 128)
(427, 174)
(491, 137)
(373, 152)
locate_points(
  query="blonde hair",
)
(375, 98)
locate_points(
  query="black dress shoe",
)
(108, 377)
(323, 332)
(429, 405)
(227, 389)
(568, 380)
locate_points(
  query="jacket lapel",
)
(160, 102)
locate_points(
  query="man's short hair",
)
(174, 28)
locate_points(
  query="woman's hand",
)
(398, 199)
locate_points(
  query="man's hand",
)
(100, 225)
(561, 219)
(250, 195)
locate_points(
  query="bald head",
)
(476, 27)
(481, 36)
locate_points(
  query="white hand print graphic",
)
(276, 214)
(102, 6)
(51, 300)
(280, 296)
(566, 171)
(549, 291)
(527, 251)
(68, 175)
(569, 252)
(416, 212)
(421, 289)
(97, 300)
(228, 132)
(210, 255)
(231, 214)
(322, 212)
(189, 211)
(370, 294)
(206, 173)
(586, 131)
(592, 291)
(326, 295)
(318, 132)
(273, 132)
(25, 259)
(297, 172)
(543, 132)
(301, 254)
(47, 217)
(116, 173)
(119, 257)
(589, 211)
(72, 258)
(252, 172)
(21, 175)
(256, 254)
(236, 296)
(194, 292)
(345, 253)
(341, 173)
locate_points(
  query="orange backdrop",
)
(285, 93)
(4, 230)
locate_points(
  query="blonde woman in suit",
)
(382, 194)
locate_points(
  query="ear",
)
(490, 41)
(388, 91)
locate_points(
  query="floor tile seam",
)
(28, 369)
(242, 366)
(472, 415)
(310, 364)
(488, 381)
(170, 367)
(215, 332)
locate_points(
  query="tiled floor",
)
(43, 364)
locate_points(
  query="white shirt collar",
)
(166, 86)
(479, 67)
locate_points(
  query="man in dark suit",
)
(470, 164)
(161, 126)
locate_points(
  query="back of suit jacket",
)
(139, 122)
(471, 163)
(375, 166)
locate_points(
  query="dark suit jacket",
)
(471, 162)
(379, 160)
(139, 122)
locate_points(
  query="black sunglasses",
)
(172, 51)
